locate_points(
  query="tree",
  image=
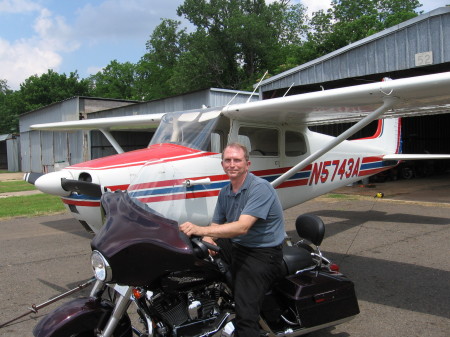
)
(155, 69)
(233, 44)
(9, 112)
(348, 21)
(116, 80)
(241, 39)
(51, 87)
(35, 92)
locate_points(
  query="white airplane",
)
(180, 174)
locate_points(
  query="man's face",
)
(234, 163)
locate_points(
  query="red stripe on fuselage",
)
(81, 202)
(154, 154)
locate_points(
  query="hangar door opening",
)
(128, 140)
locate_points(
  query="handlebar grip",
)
(211, 246)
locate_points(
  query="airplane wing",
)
(108, 123)
(421, 95)
(398, 157)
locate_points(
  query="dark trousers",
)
(254, 270)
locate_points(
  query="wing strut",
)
(388, 102)
(113, 142)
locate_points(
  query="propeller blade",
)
(32, 177)
(82, 187)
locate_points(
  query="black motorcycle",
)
(178, 289)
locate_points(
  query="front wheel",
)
(123, 330)
(82, 317)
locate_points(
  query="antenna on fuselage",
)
(289, 89)
(257, 86)
(231, 100)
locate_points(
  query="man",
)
(249, 212)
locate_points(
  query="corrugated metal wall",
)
(13, 149)
(47, 151)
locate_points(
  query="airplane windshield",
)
(191, 129)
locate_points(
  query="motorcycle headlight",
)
(101, 268)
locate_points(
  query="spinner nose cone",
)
(50, 183)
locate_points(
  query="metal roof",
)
(390, 50)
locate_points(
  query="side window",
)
(216, 142)
(218, 135)
(259, 141)
(295, 144)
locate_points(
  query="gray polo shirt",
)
(257, 198)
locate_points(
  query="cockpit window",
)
(295, 144)
(194, 129)
(259, 141)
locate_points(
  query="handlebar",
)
(201, 247)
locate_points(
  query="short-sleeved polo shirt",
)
(257, 198)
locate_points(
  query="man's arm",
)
(225, 231)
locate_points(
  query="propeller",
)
(82, 187)
(32, 177)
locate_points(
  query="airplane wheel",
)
(407, 173)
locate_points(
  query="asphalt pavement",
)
(395, 249)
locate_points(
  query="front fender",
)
(78, 316)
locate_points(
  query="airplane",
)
(180, 175)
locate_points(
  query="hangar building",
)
(415, 47)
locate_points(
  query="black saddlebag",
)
(319, 298)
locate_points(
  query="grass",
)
(15, 186)
(30, 205)
(340, 196)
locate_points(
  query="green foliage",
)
(36, 92)
(51, 87)
(10, 104)
(156, 67)
(348, 21)
(116, 80)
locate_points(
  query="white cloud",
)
(36, 54)
(94, 70)
(316, 5)
(24, 58)
(18, 6)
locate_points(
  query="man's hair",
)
(237, 146)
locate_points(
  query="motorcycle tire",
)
(81, 318)
(123, 330)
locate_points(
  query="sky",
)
(86, 35)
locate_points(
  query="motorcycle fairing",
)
(83, 314)
(139, 244)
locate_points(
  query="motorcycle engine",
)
(193, 310)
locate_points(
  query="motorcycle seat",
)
(296, 258)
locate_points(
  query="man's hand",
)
(190, 229)
(211, 241)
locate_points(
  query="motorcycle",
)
(140, 256)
